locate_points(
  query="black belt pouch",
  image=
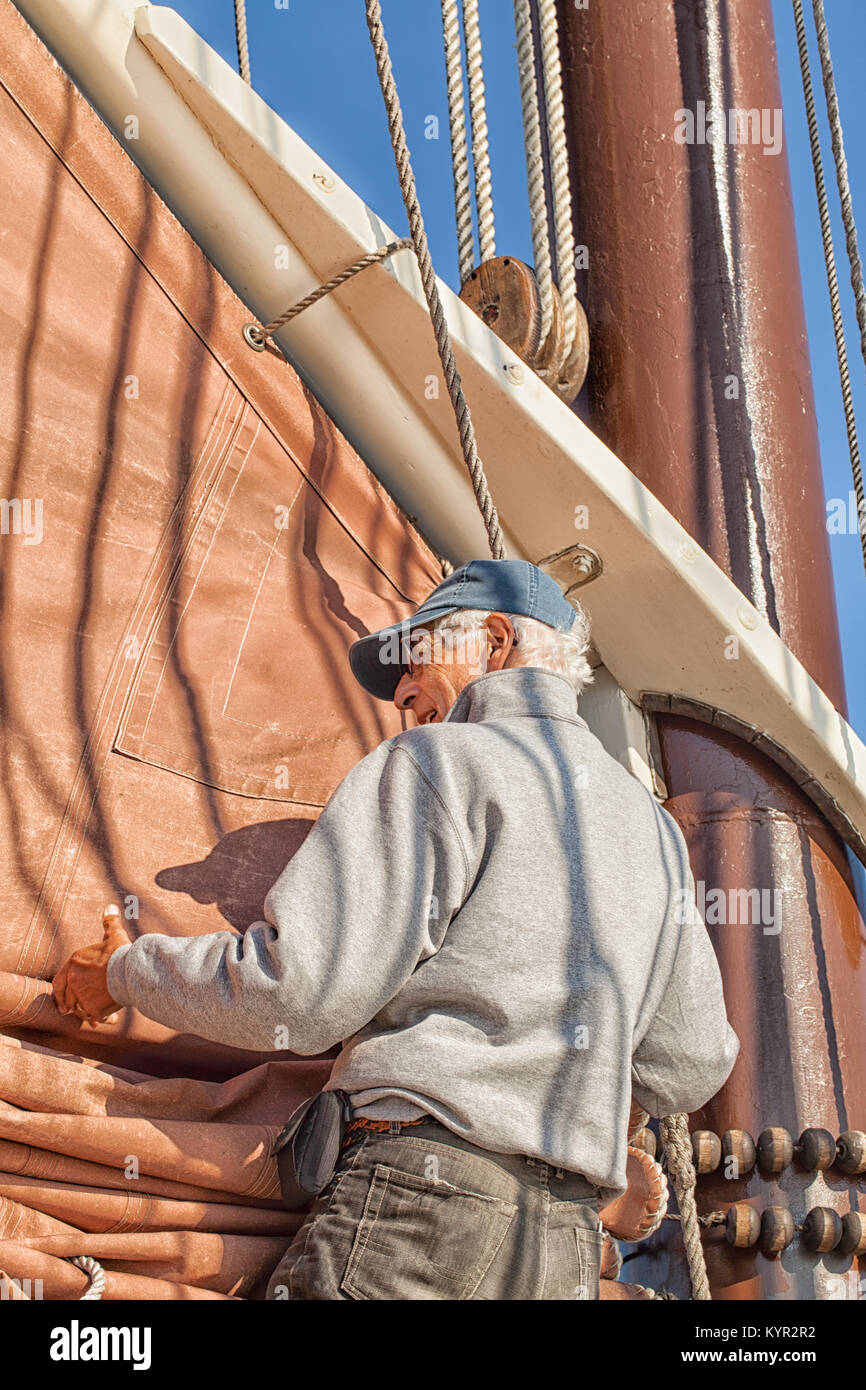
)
(308, 1147)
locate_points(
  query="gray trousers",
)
(423, 1214)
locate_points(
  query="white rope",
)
(241, 38)
(534, 162)
(91, 1267)
(478, 116)
(559, 169)
(457, 126)
(428, 279)
(830, 264)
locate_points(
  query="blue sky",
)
(313, 64)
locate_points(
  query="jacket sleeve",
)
(367, 897)
(689, 1049)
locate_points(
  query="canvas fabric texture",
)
(200, 516)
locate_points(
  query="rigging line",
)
(841, 169)
(256, 336)
(674, 1130)
(830, 264)
(428, 279)
(241, 39)
(457, 127)
(480, 145)
(559, 169)
(534, 162)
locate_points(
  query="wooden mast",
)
(700, 381)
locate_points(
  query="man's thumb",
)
(112, 921)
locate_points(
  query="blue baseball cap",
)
(379, 660)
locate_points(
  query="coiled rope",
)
(428, 279)
(241, 40)
(674, 1131)
(829, 254)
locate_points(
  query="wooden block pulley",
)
(504, 293)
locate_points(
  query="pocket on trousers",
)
(590, 1246)
(420, 1239)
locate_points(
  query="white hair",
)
(536, 643)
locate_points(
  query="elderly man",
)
(489, 916)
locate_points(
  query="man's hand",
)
(80, 986)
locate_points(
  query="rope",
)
(241, 38)
(257, 336)
(480, 146)
(826, 234)
(841, 169)
(678, 1147)
(559, 169)
(534, 162)
(457, 125)
(96, 1288)
(830, 264)
(428, 279)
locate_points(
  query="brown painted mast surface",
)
(700, 381)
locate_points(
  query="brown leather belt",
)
(379, 1126)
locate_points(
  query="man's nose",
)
(407, 692)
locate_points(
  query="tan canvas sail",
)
(189, 546)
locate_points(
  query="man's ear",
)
(500, 640)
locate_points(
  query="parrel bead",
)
(775, 1149)
(851, 1152)
(706, 1150)
(738, 1144)
(742, 1225)
(822, 1229)
(777, 1230)
(816, 1150)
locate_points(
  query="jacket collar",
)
(524, 690)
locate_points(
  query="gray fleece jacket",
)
(488, 914)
